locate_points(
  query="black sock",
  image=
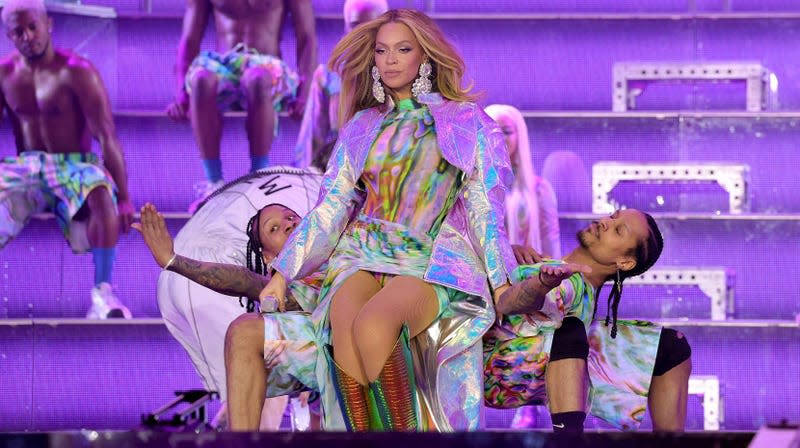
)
(568, 422)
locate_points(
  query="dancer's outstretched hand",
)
(553, 275)
(155, 233)
(275, 290)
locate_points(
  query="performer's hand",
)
(553, 275)
(276, 288)
(125, 212)
(155, 233)
(526, 255)
(178, 110)
(273, 349)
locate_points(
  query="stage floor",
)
(485, 439)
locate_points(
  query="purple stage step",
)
(484, 439)
(41, 277)
(163, 160)
(762, 289)
(69, 375)
(164, 163)
(669, 139)
(563, 64)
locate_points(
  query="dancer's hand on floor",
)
(275, 289)
(155, 233)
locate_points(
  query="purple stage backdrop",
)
(552, 60)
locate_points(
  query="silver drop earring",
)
(422, 85)
(377, 87)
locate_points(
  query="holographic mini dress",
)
(408, 190)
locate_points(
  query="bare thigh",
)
(347, 302)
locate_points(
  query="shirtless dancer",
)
(56, 102)
(245, 72)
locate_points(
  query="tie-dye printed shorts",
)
(229, 69)
(37, 181)
(620, 371)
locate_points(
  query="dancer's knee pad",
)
(673, 349)
(570, 341)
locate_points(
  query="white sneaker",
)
(105, 305)
(202, 191)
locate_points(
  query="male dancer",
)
(56, 103)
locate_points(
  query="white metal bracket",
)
(713, 411)
(762, 85)
(715, 282)
(732, 177)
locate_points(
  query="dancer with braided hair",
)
(539, 350)
(222, 251)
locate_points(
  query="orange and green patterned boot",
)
(394, 391)
(352, 396)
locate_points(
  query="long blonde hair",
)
(354, 56)
(523, 192)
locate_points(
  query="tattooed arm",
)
(528, 296)
(522, 298)
(227, 279)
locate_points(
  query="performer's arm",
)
(522, 298)
(94, 103)
(313, 241)
(227, 279)
(305, 32)
(195, 22)
(528, 296)
(485, 203)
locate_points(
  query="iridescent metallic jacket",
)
(471, 253)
